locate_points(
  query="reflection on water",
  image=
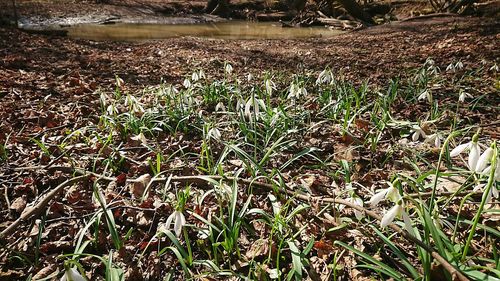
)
(226, 30)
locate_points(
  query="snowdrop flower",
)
(253, 106)
(186, 83)
(249, 77)
(398, 211)
(357, 201)
(214, 133)
(71, 274)
(434, 138)
(483, 160)
(325, 77)
(111, 109)
(228, 68)
(474, 153)
(220, 107)
(487, 170)
(494, 67)
(392, 193)
(463, 95)
(103, 98)
(141, 138)
(354, 198)
(296, 91)
(179, 221)
(417, 132)
(492, 194)
(195, 77)
(269, 86)
(133, 104)
(425, 95)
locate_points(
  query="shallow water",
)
(224, 30)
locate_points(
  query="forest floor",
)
(52, 86)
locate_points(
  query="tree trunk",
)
(355, 10)
(16, 18)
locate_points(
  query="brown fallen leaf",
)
(18, 204)
(139, 185)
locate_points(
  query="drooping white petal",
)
(479, 187)
(415, 136)
(388, 218)
(169, 220)
(459, 149)
(221, 107)
(358, 201)
(494, 191)
(437, 141)
(393, 193)
(407, 221)
(214, 133)
(71, 274)
(475, 152)
(228, 68)
(248, 105)
(180, 221)
(483, 160)
(379, 196)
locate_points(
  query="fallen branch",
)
(428, 16)
(35, 210)
(204, 179)
(446, 265)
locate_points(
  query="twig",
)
(204, 179)
(35, 210)
(51, 129)
(435, 15)
(452, 270)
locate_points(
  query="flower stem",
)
(441, 154)
(491, 180)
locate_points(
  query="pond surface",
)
(223, 30)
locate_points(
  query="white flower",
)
(253, 106)
(179, 222)
(392, 193)
(269, 86)
(71, 274)
(474, 154)
(195, 77)
(201, 74)
(325, 77)
(220, 107)
(186, 83)
(463, 95)
(425, 95)
(487, 170)
(214, 133)
(249, 77)
(417, 132)
(357, 201)
(493, 191)
(483, 160)
(228, 68)
(203, 233)
(398, 211)
(112, 110)
(140, 137)
(296, 91)
(434, 138)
